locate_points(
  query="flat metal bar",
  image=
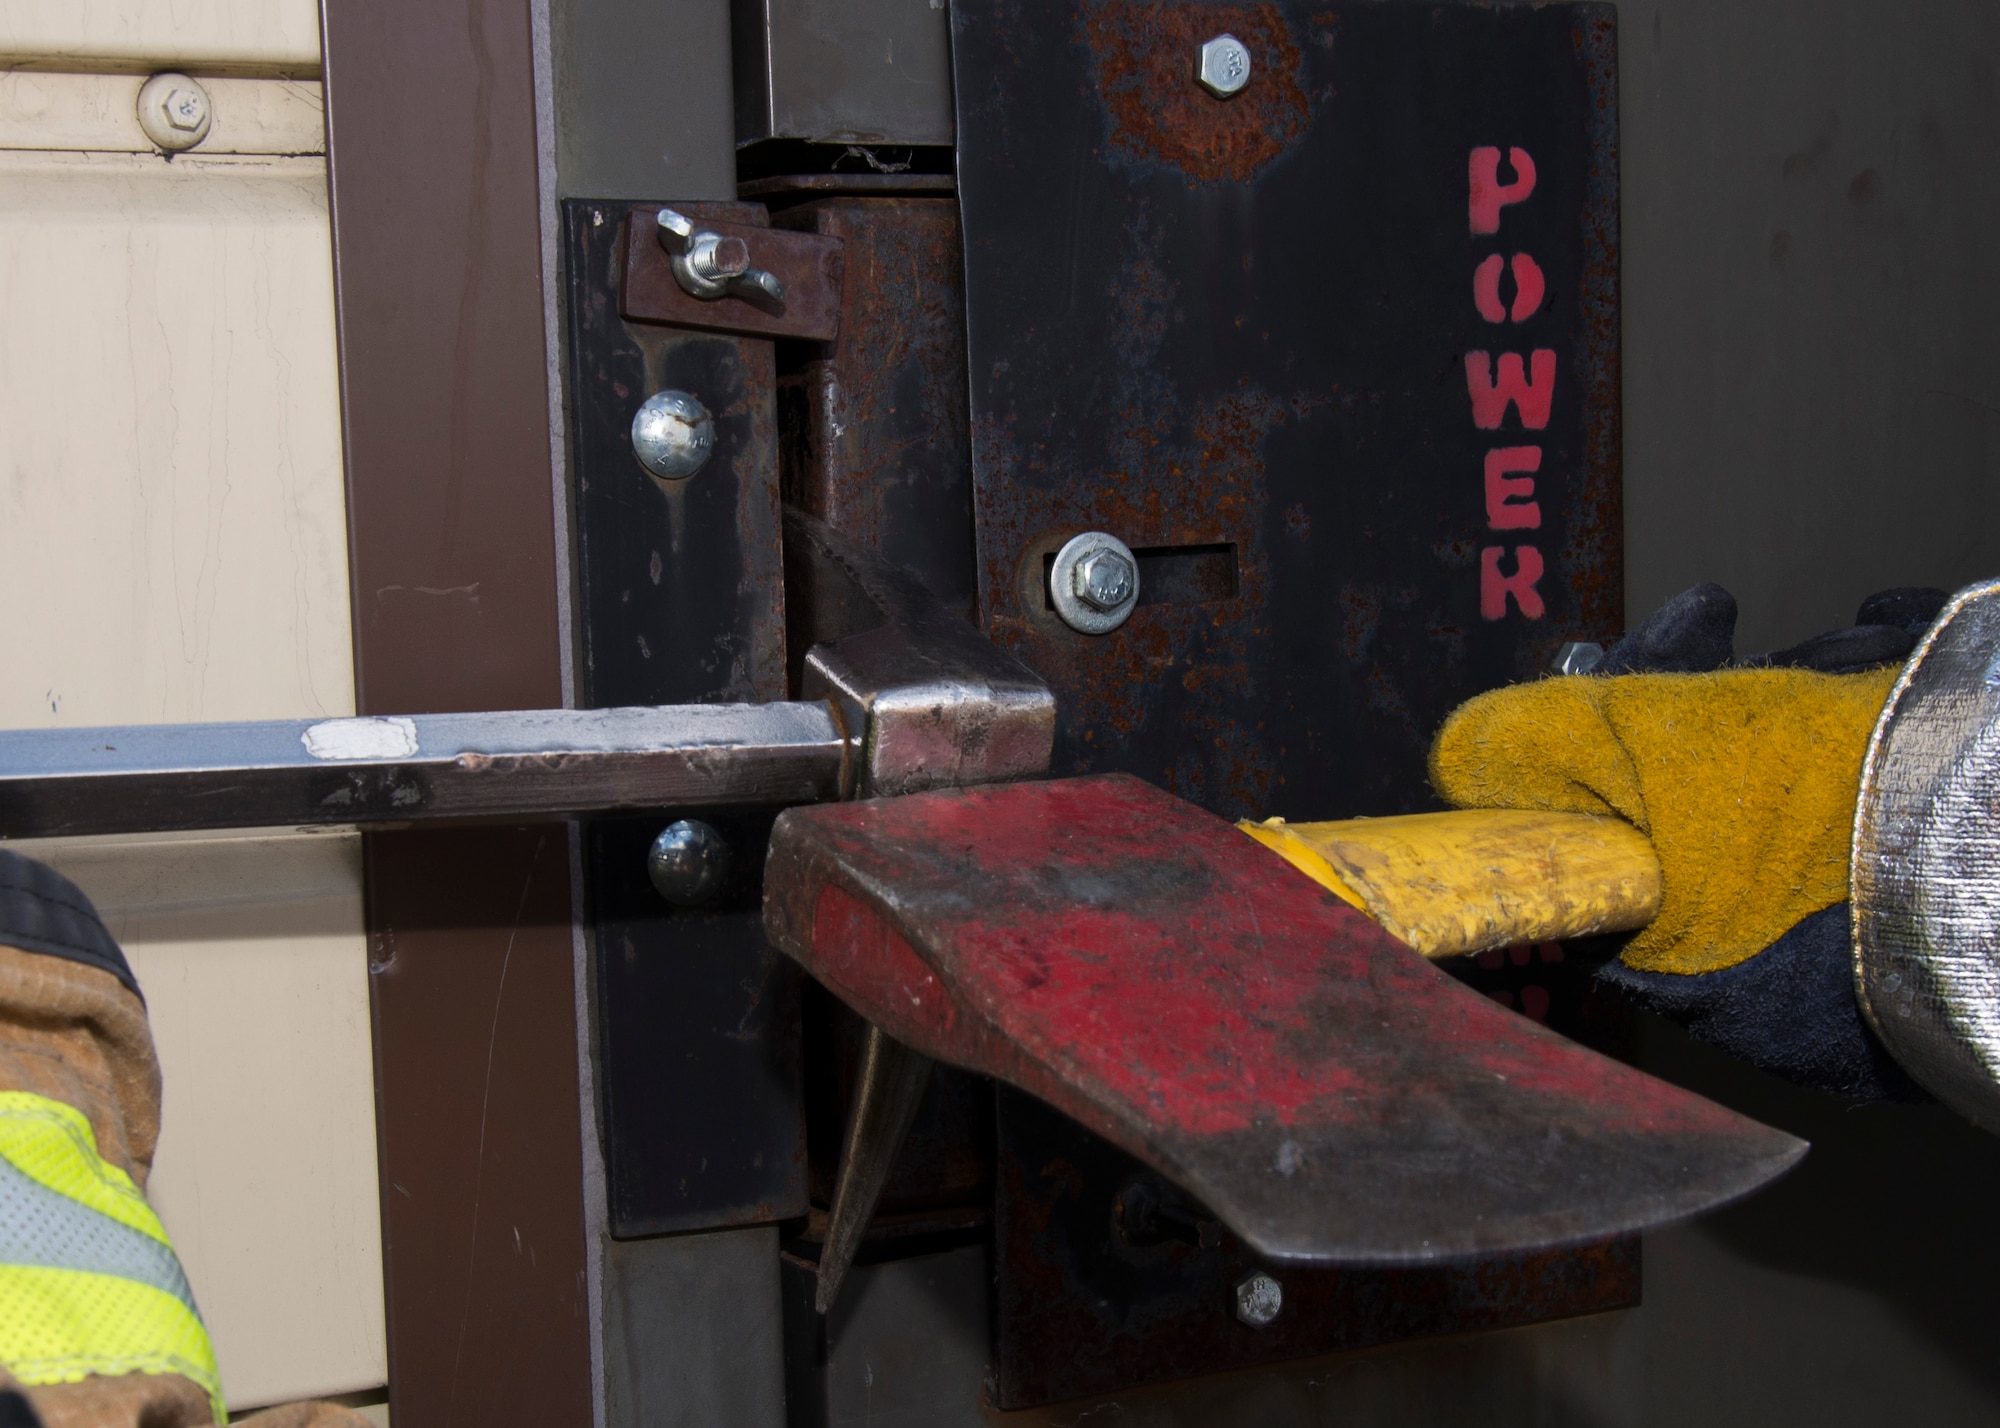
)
(394, 769)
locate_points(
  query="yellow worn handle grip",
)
(1450, 883)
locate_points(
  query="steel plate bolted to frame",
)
(1324, 340)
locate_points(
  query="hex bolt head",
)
(1259, 1297)
(174, 111)
(672, 435)
(1577, 657)
(687, 863)
(1105, 579)
(1225, 66)
(1094, 583)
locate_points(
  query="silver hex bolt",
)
(1259, 1297)
(1094, 583)
(1225, 66)
(174, 112)
(1105, 578)
(672, 435)
(1577, 657)
(688, 863)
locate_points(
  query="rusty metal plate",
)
(1084, 1305)
(808, 264)
(874, 424)
(1260, 333)
(1144, 968)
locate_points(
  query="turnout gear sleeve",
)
(98, 1325)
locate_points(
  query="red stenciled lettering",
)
(1494, 588)
(1529, 391)
(1510, 503)
(1486, 289)
(1529, 288)
(1488, 194)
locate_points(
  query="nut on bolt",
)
(711, 265)
(1259, 1297)
(1094, 583)
(174, 111)
(1225, 66)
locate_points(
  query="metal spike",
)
(893, 1079)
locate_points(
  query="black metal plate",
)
(683, 595)
(699, 1065)
(682, 601)
(1197, 322)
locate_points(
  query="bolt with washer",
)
(1094, 583)
(1225, 66)
(1104, 578)
(1259, 1297)
(175, 112)
(672, 435)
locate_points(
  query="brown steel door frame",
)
(457, 577)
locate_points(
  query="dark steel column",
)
(437, 248)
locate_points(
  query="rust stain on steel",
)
(1183, 477)
(808, 264)
(1143, 57)
(875, 424)
(1147, 970)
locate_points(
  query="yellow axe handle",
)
(1451, 883)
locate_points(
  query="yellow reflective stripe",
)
(52, 1143)
(62, 1325)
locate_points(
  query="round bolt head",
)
(1224, 67)
(1578, 657)
(1258, 1299)
(687, 863)
(174, 112)
(1105, 578)
(1094, 583)
(672, 435)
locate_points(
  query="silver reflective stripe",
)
(43, 1229)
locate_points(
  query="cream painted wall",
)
(144, 36)
(173, 547)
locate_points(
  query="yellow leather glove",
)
(1743, 780)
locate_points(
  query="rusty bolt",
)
(1578, 657)
(1104, 579)
(174, 111)
(1225, 66)
(1258, 1299)
(1094, 583)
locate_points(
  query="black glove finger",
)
(1841, 651)
(1692, 633)
(1909, 607)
